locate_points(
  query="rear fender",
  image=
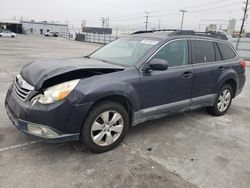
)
(229, 74)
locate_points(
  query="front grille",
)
(19, 90)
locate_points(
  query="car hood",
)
(36, 73)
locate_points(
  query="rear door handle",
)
(187, 74)
(220, 69)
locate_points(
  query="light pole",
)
(159, 24)
(183, 12)
(146, 22)
(242, 24)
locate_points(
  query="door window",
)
(203, 51)
(175, 52)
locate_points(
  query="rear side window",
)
(226, 51)
(203, 51)
(175, 52)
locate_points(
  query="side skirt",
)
(160, 111)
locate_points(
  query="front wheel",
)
(222, 102)
(105, 127)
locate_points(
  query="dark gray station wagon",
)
(147, 75)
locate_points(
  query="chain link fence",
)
(95, 38)
(243, 47)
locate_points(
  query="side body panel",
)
(210, 76)
(164, 87)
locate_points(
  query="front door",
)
(168, 90)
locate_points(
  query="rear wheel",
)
(105, 127)
(222, 102)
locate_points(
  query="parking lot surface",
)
(192, 149)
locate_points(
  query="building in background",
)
(39, 28)
(97, 30)
(33, 27)
(12, 25)
(231, 27)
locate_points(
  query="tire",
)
(12, 36)
(99, 131)
(222, 102)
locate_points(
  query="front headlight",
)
(56, 93)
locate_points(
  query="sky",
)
(127, 14)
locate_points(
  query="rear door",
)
(207, 70)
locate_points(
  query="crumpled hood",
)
(39, 71)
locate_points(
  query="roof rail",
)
(152, 31)
(213, 34)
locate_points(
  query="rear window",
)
(226, 51)
(203, 51)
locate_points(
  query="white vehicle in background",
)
(7, 33)
(51, 34)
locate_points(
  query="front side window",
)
(226, 51)
(175, 53)
(124, 51)
(203, 51)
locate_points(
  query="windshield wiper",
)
(102, 60)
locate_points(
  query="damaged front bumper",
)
(57, 122)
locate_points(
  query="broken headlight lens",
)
(56, 92)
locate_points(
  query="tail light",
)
(243, 64)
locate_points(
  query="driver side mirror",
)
(158, 64)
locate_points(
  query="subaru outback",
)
(144, 76)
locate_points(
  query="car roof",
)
(165, 34)
(157, 35)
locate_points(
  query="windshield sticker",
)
(153, 42)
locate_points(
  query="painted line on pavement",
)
(18, 146)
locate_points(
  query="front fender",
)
(119, 89)
(96, 88)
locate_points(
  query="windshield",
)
(124, 51)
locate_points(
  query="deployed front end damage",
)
(51, 121)
(37, 103)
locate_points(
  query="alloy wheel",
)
(107, 128)
(224, 100)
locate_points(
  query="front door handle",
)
(220, 69)
(187, 74)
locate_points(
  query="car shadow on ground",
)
(151, 128)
